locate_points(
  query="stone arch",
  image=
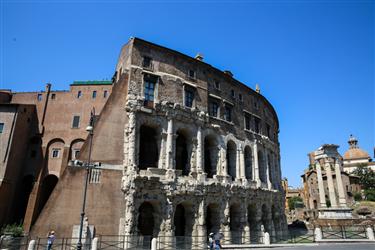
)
(183, 150)
(212, 218)
(262, 167)
(211, 155)
(231, 158)
(235, 223)
(248, 163)
(48, 185)
(252, 220)
(183, 224)
(148, 147)
(54, 155)
(75, 148)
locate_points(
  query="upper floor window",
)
(189, 96)
(247, 122)
(228, 113)
(53, 96)
(256, 105)
(105, 93)
(39, 97)
(149, 90)
(217, 85)
(147, 62)
(55, 153)
(1, 127)
(213, 109)
(232, 93)
(268, 128)
(79, 94)
(192, 74)
(94, 94)
(240, 97)
(256, 125)
(75, 123)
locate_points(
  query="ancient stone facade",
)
(201, 152)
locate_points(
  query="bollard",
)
(31, 245)
(318, 234)
(94, 245)
(370, 233)
(153, 244)
(267, 239)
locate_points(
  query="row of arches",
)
(150, 150)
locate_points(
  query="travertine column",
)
(162, 150)
(268, 169)
(322, 195)
(169, 147)
(225, 228)
(242, 163)
(132, 139)
(331, 187)
(238, 162)
(223, 159)
(199, 150)
(340, 186)
(256, 164)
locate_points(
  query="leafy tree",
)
(294, 202)
(370, 194)
(366, 180)
(357, 196)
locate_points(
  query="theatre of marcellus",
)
(185, 150)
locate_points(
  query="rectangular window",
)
(147, 62)
(192, 74)
(39, 97)
(233, 93)
(217, 85)
(247, 122)
(213, 109)
(228, 113)
(105, 94)
(240, 97)
(94, 94)
(1, 127)
(149, 90)
(55, 152)
(189, 97)
(53, 96)
(75, 123)
(75, 153)
(256, 125)
(268, 130)
(79, 94)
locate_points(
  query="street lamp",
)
(88, 166)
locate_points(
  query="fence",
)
(344, 232)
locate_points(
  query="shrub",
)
(357, 196)
(370, 194)
(15, 230)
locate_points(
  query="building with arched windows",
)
(186, 150)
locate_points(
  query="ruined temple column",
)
(331, 187)
(242, 163)
(199, 150)
(268, 169)
(256, 164)
(169, 147)
(340, 186)
(322, 196)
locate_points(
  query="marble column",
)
(268, 169)
(340, 186)
(322, 195)
(242, 164)
(331, 186)
(199, 154)
(169, 147)
(256, 165)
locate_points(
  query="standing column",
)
(268, 169)
(256, 164)
(242, 164)
(169, 147)
(340, 186)
(132, 139)
(223, 158)
(199, 150)
(331, 188)
(162, 150)
(238, 162)
(322, 195)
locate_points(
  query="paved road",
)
(331, 246)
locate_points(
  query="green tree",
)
(294, 202)
(366, 176)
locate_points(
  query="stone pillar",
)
(331, 187)
(242, 164)
(132, 141)
(199, 150)
(340, 186)
(223, 158)
(245, 224)
(256, 165)
(225, 223)
(162, 150)
(268, 169)
(169, 147)
(322, 196)
(168, 240)
(238, 163)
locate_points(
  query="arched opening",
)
(251, 219)
(148, 148)
(182, 152)
(248, 163)
(262, 167)
(265, 220)
(21, 204)
(179, 220)
(210, 155)
(146, 220)
(315, 204)
(276, 221)
(231, 159)
(212, 218)
(48, 185)
(235, 223)
(75, 148)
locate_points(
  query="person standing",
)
(50, 239)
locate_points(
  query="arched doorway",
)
(212, 218)
(146, 220)
(210, 155)
(251, 219)
(231, 159)
(48, 185)
(235, 224)
(148, 148)
(182, 152)
(248, 163)
(179, 220)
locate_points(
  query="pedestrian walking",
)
(50, 239)
(211, 241)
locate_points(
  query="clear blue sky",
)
(314, 60)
